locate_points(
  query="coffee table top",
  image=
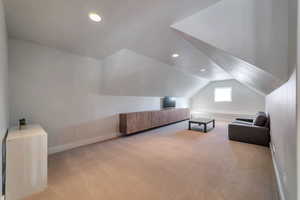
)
(201, 120)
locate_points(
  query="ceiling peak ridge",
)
(140, 55)
(187, 35)
(257, 79)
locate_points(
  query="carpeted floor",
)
(169, 163)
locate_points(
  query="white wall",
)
(63, 93)
(3, 80)
(281, 105)
(3, 74)
(297, 67)
(245, 101)
(293, 34)
(283, 109)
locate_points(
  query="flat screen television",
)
(169, 102)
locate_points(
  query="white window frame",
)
(225, 97)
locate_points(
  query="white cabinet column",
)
(26, 161)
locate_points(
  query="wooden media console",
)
(141, 121)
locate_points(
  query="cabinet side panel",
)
(123, 123)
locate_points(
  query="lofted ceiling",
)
(127, 73)
(252, 30)
(244, 72)
(149, 28)
(142, 26)
(242, 38)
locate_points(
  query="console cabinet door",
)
(135, 122)
(143, 121)
(156, 119)
(131, 123)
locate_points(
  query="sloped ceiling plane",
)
(230, 39)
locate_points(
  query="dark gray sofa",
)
(254, 131)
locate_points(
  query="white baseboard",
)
(228, 117)
(277, 174)
(60, 148)
(223, 119)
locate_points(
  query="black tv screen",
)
(169, 102)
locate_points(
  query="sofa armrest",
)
(249, 133)
(245, 120)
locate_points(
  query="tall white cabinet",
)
(26, 161)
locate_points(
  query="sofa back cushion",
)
(261, 119)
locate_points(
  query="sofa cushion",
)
(242, 122)
(260, 119)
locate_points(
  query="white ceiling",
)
(252, 30)
(127, 73)
(246, 73)
(142, 26)
(242, 38)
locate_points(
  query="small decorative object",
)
(22, 123)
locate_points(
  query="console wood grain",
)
(140, 121)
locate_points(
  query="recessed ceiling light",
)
(203, 70)
(175, 55)
(95, 17)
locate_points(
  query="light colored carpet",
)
(169, 163)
